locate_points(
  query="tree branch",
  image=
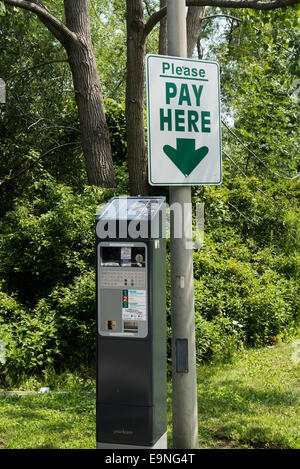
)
(253, 4)
(146, 2)
(64, 127)
(25, 70)
(222, 16)
(240, 21)
(154, 19)
(257, 157)
(56, 27)
(243, 173)
(9, 177)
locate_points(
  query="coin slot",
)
(110, 325)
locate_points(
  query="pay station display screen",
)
(120, 256)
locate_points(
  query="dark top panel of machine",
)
(131, 208)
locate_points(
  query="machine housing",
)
(131, 322)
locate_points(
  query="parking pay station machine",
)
(131, 324)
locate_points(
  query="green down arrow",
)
(185, 157)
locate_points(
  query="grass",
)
(52, 421)
(252, 403)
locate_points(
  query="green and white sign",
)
(184, 129)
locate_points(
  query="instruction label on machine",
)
(135, 307)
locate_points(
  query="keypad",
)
(126, 278)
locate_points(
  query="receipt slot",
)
(131, 324)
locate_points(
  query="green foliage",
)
(108, 25)
(38, 124)
(58, 332)
(258, 53)
(29, 337)
(246, 274)
(52, 238)
(260, 62)
(249, 274)
(47, 259)
(115, 116)
(74, 307)
(218, 340)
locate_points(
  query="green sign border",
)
(149, 130)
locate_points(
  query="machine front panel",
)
(122, 289)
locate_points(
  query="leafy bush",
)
(48, 238)
(59, 331)
(74, 307)
(29, 337)
(264, 303)
(47, 260)
(218, 340)
(115, 116)
(246, 278)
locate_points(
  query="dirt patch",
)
(225, 442)
(222, 441)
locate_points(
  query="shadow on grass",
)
(53, 416)
(256, 437)
(232, 396)
(76, 402)
(233, 414)
(47, 445)
(20, 414)
(218, 402)
(269, 398)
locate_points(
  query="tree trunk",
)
(136, 148)
(137, 155)
(163, 34)
(193, 27)
(89, 98)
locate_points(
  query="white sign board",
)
(184, 128)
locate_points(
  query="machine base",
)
(160, 444)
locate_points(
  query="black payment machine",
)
(131, 323)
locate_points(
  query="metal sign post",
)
(185, 409)
(184, 145)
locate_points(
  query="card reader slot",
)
(131, 326)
